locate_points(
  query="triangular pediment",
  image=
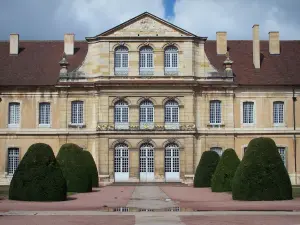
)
(145, 24)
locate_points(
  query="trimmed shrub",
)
(92, 168)
(206, 168)
(38, 177)
(261, 175)
(222, 178)
(70, 157)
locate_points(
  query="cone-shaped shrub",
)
(38, 177)
(222, 178)
(92, 168)
(206, 168)
(71, 160)
(261, 175)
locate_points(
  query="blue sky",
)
(50, 20)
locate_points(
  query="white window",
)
(215, 112)
(248, 112)
(282, 153)
(171, 60)
(171, 112)
(121, 112)
(146, 112)
(44, 114)
(217, 150)
(77, 112)
(278, 112)
(146, 61)
(14, 114)
(121, 60)
(13, 160)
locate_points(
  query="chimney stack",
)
(14, 44)
(256, 47)
(69, 44)
(274, 43)
(221, 42)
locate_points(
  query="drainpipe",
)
(295, 141)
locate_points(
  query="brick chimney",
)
(274, 43)
(256, 47)
(14, 44)
(221, 42)
(69, 44)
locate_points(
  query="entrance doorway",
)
(147, 163)
(121, 163)
(172, 167)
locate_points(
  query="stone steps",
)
(177, 184)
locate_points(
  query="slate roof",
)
(37, 63)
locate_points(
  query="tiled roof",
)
(282, 69)
(38, 62)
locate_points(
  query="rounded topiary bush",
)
(92, 168)
(206, 168)
(38, 177)
(222, 178)
(70, 158)
(261, 175)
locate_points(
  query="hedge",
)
(71, 159)
(261, 175)
(92, 168)
(206, 168)
(38, 177)
(222, 178)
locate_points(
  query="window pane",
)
(44, 113)
(174, 60)
(13, 160)
(248, 112)
(125, 60)
(143, 60)
(167, 60)
(149, 60)
(77, 112)
(14, 113)
(278, 112)
(168, 114)
(118, 60)
(281, 151)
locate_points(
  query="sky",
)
(49, 20)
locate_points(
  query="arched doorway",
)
(172, 165)
(147, 163)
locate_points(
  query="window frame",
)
(121, 107)
(143, 53)
(146, 107)
(46, 125)
(77, 115)
(14, 125)
(215, 112)
(121, 70)
(171, 112)
(8, 160)
(283, 114)
(242, 112)
(285, 161)
(169, 53)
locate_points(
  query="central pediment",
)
(143, 25)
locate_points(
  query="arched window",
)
(171, 115)
(215, 112)
(171, 60)
(172, 162)
(121, 60)
(121, 115)
(146, 61)
(146, 115)
(217, 150)
(121, 163)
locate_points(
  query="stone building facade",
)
(147, 98)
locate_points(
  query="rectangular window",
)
(77, 112)
(44, 114)
(282, 153)
(248, 114)
(215, 112)
(13, 160)
(13, 114)
(278, 112)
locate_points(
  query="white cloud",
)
(99, 15)
(206, 17)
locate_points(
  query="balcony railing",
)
(145, 126)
